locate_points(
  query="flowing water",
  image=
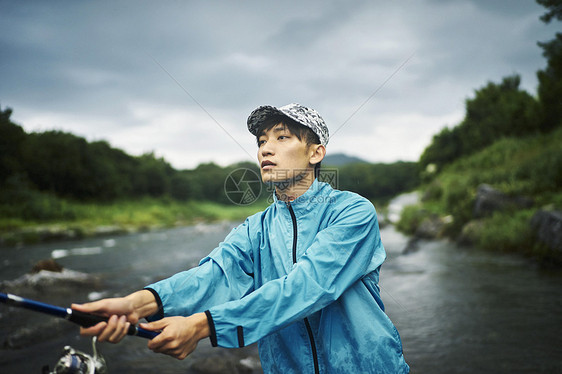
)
(457, 310)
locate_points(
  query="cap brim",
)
(259, 115)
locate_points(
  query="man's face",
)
(282, 156)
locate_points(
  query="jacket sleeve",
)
(225, 274)
(340, 255)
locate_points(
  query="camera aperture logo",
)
(242, 186)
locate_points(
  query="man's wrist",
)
(202, 323)
(143, 303)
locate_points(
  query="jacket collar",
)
(307, 200)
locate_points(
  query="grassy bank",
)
(68, 220)
(529, 167)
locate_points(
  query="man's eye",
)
(282, 137)
(261, 142)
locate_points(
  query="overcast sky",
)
(181, 77)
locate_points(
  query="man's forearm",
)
(143, 302)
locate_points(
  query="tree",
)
(181, 186)
(550, 79)
(378, 182)
(110, 171)
(496, 111)
(12, 137)
(554, 10)
(445, 146)
(209, 180)
(54, 162)
(153, 176)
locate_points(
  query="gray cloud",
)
(101, 69)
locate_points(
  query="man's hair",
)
(300, 131)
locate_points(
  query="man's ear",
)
(317, 153)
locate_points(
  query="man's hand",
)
(121, 311)
(179, 336)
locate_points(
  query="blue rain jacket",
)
(301, 280)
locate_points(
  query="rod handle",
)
(88, 320)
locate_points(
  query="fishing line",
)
(392, 297)
(374, 93)
(380, 87)
(199, 104)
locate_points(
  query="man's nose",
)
(267, 149)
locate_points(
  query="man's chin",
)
(268, 176)
(272, 181)
(281, 180)
(265, 177)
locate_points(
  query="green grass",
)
(83, 219)
(530, 167)
(506, 232)
(162, 212)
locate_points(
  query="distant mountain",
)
(340, 159)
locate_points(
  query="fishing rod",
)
(72, 315)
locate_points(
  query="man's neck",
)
(289, 191)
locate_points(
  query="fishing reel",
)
(77, 362)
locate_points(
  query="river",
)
(458, 310)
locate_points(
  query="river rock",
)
(49, 265)
(470, 233)
(61, 282)
(548, 228)
(432, 227)
(412, 246)
(489, 200)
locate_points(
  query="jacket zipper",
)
(306, 322)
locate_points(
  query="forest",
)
(40, 170)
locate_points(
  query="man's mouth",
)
(266, 164)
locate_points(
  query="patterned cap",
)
(303, 115)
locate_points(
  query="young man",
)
(299, 278)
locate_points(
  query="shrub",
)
(410, 219)
(507, 232)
